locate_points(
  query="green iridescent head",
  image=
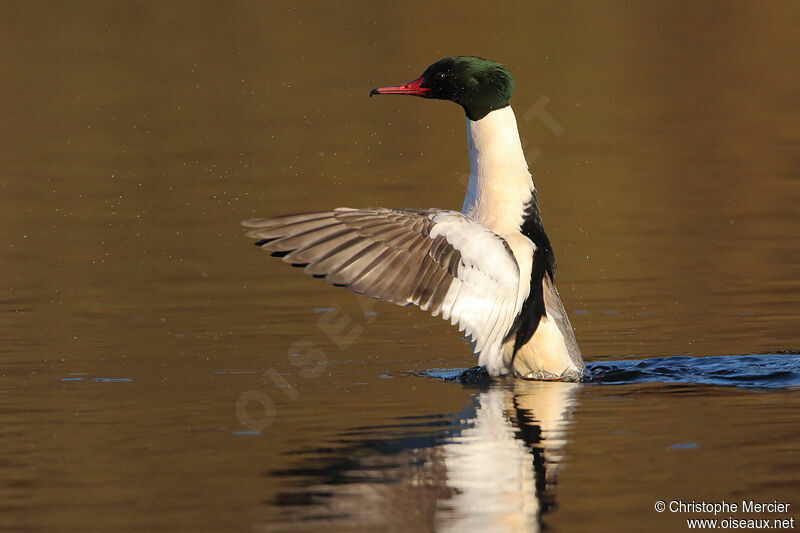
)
(478, 85)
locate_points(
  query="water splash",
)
(770, 371)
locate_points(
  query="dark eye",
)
(441, 75)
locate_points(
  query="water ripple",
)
(748, 371)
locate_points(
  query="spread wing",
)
(439, 260)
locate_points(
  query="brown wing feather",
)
(384, 253)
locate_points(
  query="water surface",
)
(158, 372)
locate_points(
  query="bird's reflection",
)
(490, 467)
(502, 467)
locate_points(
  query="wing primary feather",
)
(321, 265)
(372, 278)
(285, 220)
(350, 271)
(308, 239)
(274, 232)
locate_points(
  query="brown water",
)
(158, 372)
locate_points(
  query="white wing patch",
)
(483, 297)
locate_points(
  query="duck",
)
(488, 269)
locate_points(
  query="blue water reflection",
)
(748, 371)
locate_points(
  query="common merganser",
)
(489, 269)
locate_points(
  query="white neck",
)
(499, 181)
